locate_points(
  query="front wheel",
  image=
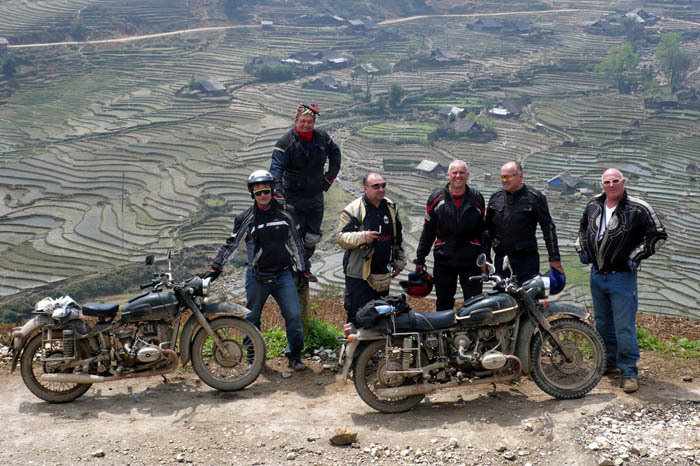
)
(36, 362)
(568, 379)
(374, 370)
(241, 362)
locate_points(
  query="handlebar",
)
(150, 284)
(479, 278)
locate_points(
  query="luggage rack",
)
(408, 354)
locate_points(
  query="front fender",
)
(209, 311)
(527, 329)
(21, 336)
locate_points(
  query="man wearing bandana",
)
(305, 162)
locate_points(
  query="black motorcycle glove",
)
(583, 257)
(211, 273)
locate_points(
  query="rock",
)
(501, 448)
(291, 455)
(453, 442)
(99, 453)
(180, 458)
(594, 446)
(687, 379)
(528, 427)
(509, 455)
(523, 453)
(605, 462)
(343, 436)
(286, 375)
(618, 461)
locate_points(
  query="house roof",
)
(356, 22)
(446, 53)
(329, 81)
(565, 178)
(211, 85)
(266, 23)
(447, 110)
(522, 26)
(334, 57)
(427, 165)
(512, 106)
(464, 125)
(269, 61)
(490, 22)
(368, 68)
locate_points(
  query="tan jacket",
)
(350, 234)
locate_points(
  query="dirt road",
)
(288, 419)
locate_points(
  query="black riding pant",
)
(445, 278)
(357, 294)
(308, 213)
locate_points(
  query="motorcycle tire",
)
(371, 360)
(32, 368)
(246, 357)
(562, 379)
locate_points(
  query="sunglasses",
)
(507, 177)
(612, 182)
(377, 185)
(260, 192)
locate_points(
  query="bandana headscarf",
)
(304, 109)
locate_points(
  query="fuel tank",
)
(487, 309)
(153, 306)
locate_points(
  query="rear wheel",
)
(568, 379)
(373, 370)
(241, 362)
(33, 366)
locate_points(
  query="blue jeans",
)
(615, 305)
(284, 291)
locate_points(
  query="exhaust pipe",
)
(88, 378)
(426, 388)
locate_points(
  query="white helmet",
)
(260, 176)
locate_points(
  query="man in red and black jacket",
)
(454, 221)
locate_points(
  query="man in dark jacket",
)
(454, 221)
(301, 177)
(511, 222)
(616, 233)
(274, 249)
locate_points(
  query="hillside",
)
(110, 151)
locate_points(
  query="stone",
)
(291, 455)
(509, 455)
(343, 436)
(594, 446)
(528, 427)
(180, 458)
(501, 448)
(453, 442)
(99, 453)
(605, 462)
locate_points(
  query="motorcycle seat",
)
(100, 309)
(419, 320)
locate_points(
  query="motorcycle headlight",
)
(205, 286)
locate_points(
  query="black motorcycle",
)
(495, 337)
(66, 348)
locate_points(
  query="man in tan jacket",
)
(370, 231)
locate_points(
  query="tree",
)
(672, 61)
(77, 30)
(617, 67)
(9, 67)
(395, 94)
(634, 32)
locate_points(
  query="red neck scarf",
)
(305, 136)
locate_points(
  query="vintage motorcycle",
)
(62, 355)
(494, 337)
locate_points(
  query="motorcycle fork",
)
(546, 327)
(205, 324)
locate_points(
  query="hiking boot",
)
(629, 385)
(310, 277)
(296, 365)
(611, 371)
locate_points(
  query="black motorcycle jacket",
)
(511, 223)
(456, 232)
(633, 234)
(299, 167)
(272, 240)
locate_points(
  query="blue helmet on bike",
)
(557, 281)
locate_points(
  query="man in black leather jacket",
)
(616, 233)
(512, 216)
(454, 221)
(301, 177)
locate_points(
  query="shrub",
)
(320, 334)
(276, 341)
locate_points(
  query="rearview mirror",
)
(481, 261)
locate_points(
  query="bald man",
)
(616, 233)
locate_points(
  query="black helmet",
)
(418, 285)
(260, 176)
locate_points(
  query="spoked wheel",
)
(373, 370)
(33, 366)
(576, 377)
(238, 363)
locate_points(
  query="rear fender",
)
(209, 311)
(527, 329)
(21, 336)
(352, 348)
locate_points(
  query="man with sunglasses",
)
(454, 221)
(512, 216)
(274, 251)
(370, 231)
(298, 165)
(616, 233)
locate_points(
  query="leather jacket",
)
(457, 233)
(633, 234)
(299, 168)
(511, 222)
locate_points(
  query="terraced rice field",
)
(106, 157)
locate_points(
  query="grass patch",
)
(320, 334)
(676, 346)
